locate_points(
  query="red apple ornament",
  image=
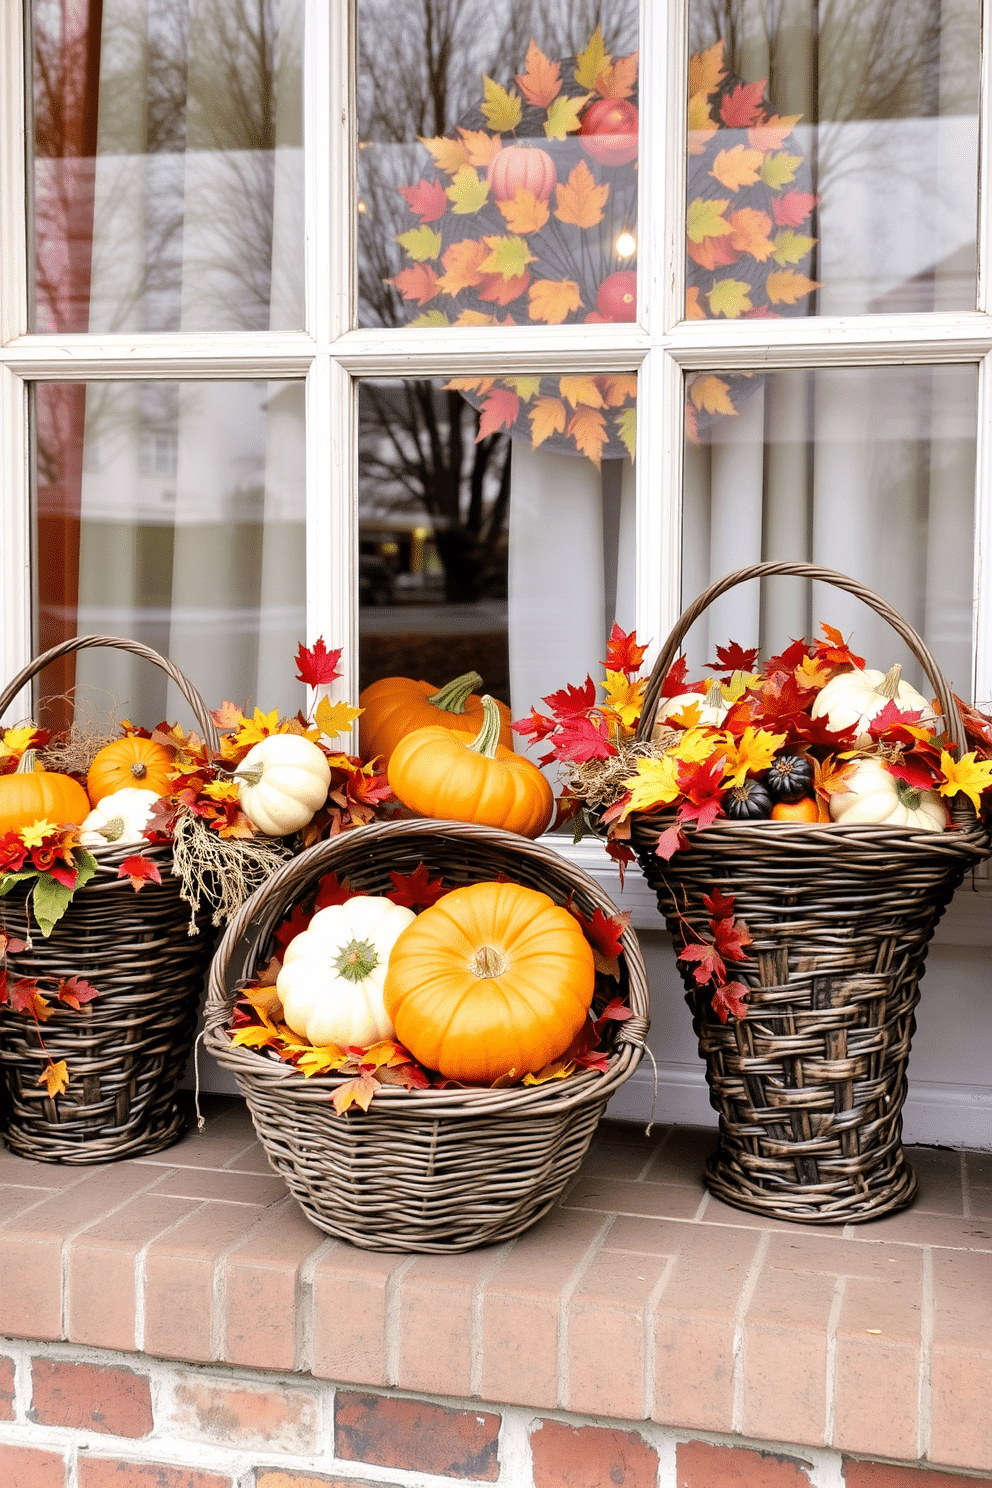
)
(520, 168)
(609, 131)
(616, 298)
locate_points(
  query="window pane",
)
(870, 471)
(167, 165)
(489, 542)
(172, 513)
(833, 157)
(497, 172)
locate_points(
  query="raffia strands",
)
(72, 753)
(599, 783)
(221, 871)
(422, 1170)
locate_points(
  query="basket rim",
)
(971, 838)
(258, 916)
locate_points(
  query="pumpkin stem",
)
(139, 770)
(486, 740)
(889, 685)
(250, 777)
(714, 695)
(113, 829)
(488, 962)
(357, 960)
(27, 763)
(454, 695)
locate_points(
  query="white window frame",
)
(332, 357)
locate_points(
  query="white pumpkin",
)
(713, 709)
(874, 795)
(282, 781)
(330, 984)
(120, 818)
(857, 697)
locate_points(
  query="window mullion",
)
(13, 182)
(15, 549)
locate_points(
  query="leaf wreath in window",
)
(528, 217)
(749, 245)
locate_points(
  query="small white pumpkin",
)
(712, 707)
(120, 818)
(876, 796)
(857, 697)
(282, 781)
(331, 980)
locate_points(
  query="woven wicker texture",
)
(424, 1170)
(127, 1050)
(810, 1085)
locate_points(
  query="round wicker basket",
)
(126, 1050)
(422, 1170)
(810, 1084)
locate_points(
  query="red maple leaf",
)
(817, 731)
(744, 105)
(792, 209)
(782, 697)
(604, 933)
(24, 997)
(371, 790)
(537, 727)
(316, 665)
(570, 701)
(728, 1000)
(740, 716)
(730, 937)
(596, 1059)
(889, 716)
(733, 658)
(140, 871)
(701, 786)
(498, 411)
(428, 199)
(621, 855)
(675, 679)
(73, 991)
(833, 648)
(161, 820)
(581, 739)
(669, 841)
(710, 965)
(416, 890)
(333, 890)
(915, 771)
(293, 926)
(789, 658)
(623, 654)
(719, 904)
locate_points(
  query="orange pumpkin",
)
(31, 795)
(493, 978)
(129, 762)
(461, 777)
(395, 706)
(806, 809)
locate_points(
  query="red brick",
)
(118, 1472)
(26, 1467)
(881, 1475)
(91, 1397)
(416, 1435)
(6, 1388)
(590, 1457)
(699, 1465)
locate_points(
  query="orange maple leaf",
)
(547, 416)
(736, 167)
(55, 1078)
(552, 300)
(617, 79)
(706, 69)
(712, 253)
(475, 318)
(785, 287)
(587, 427)
(693, 309)
(525, 212)
(356, 1092)
(227, 716)
(772, 134)
(580, 199)
(619, 388)
(480, 147)
(540, 81)
(449, 155)
(582, 390)
(500, 291)
(750, 233)
(710, 394)
(419, 282)
(461, 266)
(499, 411)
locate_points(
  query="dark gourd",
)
(789, 777)
(748, 802)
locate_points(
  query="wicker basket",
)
(125, 1051)
(810, 1085)
(423, 1170)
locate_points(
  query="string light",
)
(626, 245)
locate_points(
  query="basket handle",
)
(673, 645)
(120, 643)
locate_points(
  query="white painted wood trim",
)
(87, 358)
(13, 183)
(984, 177)
(982, 621)
(15, 548)
(660, 420)
(832, 340)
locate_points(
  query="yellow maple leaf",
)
(547, 417)
(587, 427)
(35, 834)
(705, 219)
(618, 388)
(358, 1091)
(481, 148)
(624, 698)
(449, 154)
(320, 1059)
(335, 718)
(524, 387)
(710, 394)
(55, 1077)
(627, 430)
(467, 192)
(563, 116)
(617, 79)
(589, 64)
(696, 744)
(581, 390)
(475, 318)
(750, 754)
(706, 69)
(461, 264)
(693, 309)
(791, 246)
(751, 229)
(701, 125)
(502, 110)
(655, 784)
(221, 790)
(552, 300)
(17, 740)
(255, 1036)
(558, 1069)
(779, 169)
(813, 673)
(580, 199)
(730, 297)
(258, 727)
(525, 212)
(508, 257)
(540, 80)
(420, 243)
(736, 167)
(772, 134)
(966, 774)
(478, 385)
(785, 286)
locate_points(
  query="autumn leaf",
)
(709, 965)
(322, 1059)
(420, 243)
(580, 199)
(655, 784)
(750, 233)
(525, 212)
(740, 108)
(706, 69)
(966, 774)
(693, 309)
(624, 697)
(74, 992)
(587, 427)
(730, 937)
(482, 148)
(498, 411)
(729, 1000)
(713, 253)
(710, 394)
(623, 654)
(779, 169)
(417, 283)
(547, 416)
(581, 739)
(475, 318)
(617, 79)
(772, 133)
(500, 291)
(786, 287)
(733, 658)
(356, 1092)
(55, 1078)
(626, 425)
(581, 390)
(255, 1036)
(335, 718)
(792, 209)
(430, 318)
(563, 116)
(719, 905)
(558, 1069)
(618, 388)
(524, 387)
(750, 755)
(730, 297)
(467, 192)
(416, 890)
(227, 716)
(736, 167)
(140, 871)
(705, 219)
(791, 246)
(589, 63)
(449, 154)
(24, 997)
(502, 110)
(540, 80)
(701, 125)
(570, 701)
(427, 199)
(508, 256)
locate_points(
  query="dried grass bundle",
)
(599, 783)
(222, 871)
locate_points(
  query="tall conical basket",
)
(810, 1084)
(127, 1050)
